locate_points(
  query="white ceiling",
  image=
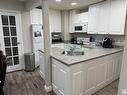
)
(66, 4)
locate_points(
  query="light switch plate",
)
(124, 91)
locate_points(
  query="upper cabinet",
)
(92, 22)
(73, 16)
(36, 16)
(98, 15)
(82, 17)
(55, 20)
(117, 16)
(77, 18)
(107, 17)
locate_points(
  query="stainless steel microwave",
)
(80, 27)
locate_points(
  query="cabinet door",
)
(91, 79)
(117, 66)
(36, 16)
(92, 20)
(110, 66)
(77, 83)
(82, 17)
(101, 74)
(117, 16)
(60, 78)
(103, 16)
(55, 20)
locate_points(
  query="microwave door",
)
(78, 29)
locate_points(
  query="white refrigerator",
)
(37, 40)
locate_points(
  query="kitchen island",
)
(84, 74)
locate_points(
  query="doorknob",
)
(19, 43)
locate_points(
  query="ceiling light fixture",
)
(58, 0)
(73, 3)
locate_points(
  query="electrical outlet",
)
(124, 91)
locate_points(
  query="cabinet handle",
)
(19, 43)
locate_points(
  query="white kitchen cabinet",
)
(117, 17)
(77, 18)
(74, 16)
(117, 66)
(82, 17)
(90, 79)
(102, 17)
(107, 17)
(101, 74)
(98, 18)
(55, 20)
(60, 78)
(110, 70)
(87, 77)
(92, 20)
(77, 79)
(36, 16)
(73, 19)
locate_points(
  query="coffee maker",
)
(107, 43)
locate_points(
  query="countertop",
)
(94, 53)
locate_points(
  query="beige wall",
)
(26, 31)
(30, 4)
(15, 5)
(12, 5)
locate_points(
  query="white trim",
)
(10, 11)
(42, 75)
(48, 89)
(19, 35)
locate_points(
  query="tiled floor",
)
(30, 83)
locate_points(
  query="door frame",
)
(18, 15)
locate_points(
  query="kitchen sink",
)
(74, 53)
(75, 50)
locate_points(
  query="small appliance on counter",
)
(83, 40)
(56, 37)
(92, 42)
(107, 43)
(73, 40)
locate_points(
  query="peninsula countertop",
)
(94, 53)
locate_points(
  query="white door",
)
(10, 40)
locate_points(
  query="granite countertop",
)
(97, 52)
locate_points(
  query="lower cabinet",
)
(60, 78)
(87, 77)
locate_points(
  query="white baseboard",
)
(48, 89)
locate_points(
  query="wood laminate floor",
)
(24, 83)
(111, 89)
(30, 83)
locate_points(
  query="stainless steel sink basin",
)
(75, 53)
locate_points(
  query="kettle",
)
(107, 43)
